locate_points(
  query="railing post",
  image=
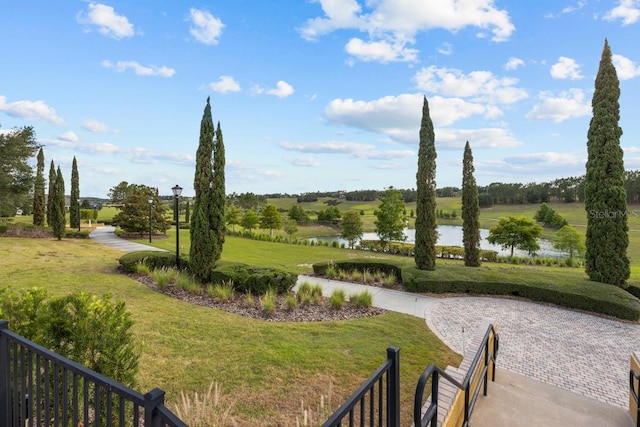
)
(153, 400)
(393, 388)
(5, 391)
(434, 397)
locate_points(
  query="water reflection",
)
(451, 235)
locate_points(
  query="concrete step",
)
(517, 401)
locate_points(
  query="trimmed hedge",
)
(152, 259)
(618, 302)
(320, 268)
(253, 280)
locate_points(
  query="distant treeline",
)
(567, 190)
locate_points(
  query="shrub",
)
(291, 302)
(361, 300)
(142, 268)
(153, 259)
(338, 299)
(254, 280)
(163, 277)
(95, 332)
(389, 280)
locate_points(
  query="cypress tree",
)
(219, 197)
(187, 213)
(605, 197)
(470, 211)
(59, 219)
(426, 234)
(74, 207)
(50, 194)
(39, 207)
(201, 254)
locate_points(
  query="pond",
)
(451, 235)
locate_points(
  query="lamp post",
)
(150, 223)
(78, 215)
(177, 190)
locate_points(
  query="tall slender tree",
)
(219, 197)
(74, 205)
(51, 194)
(607, 236)
(201, 254)
(426, 234)
(59, 219)
(39, 207)
(470, 211)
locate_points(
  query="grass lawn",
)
(266, 369)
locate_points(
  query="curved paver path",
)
(579, 352)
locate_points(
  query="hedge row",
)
(320, 268)
(406, 249)
(619, 303)
(245, 278)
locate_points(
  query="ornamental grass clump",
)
(163, 277)
(291, 302)
(363, 299)
(268, 302)
(338, 299)
(209, 409)
(222, 291)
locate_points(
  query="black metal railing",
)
(377, 401)
(634, 378)
(434, 373)
(41, 388)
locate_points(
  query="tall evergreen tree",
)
(426, 234)
(59, 220)
(470, 211)
(219, 197)
(39, 207)
(201, 254)
(607, 236)
(74, 206)
(51, 194)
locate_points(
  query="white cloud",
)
(513, 63)
(225, 84)
(477, 85)
(69, 136)
(566, 68)
(140, 70)
(30, 110)
(454, 139)
(95, 126)
(303, 161)
(625, 68)
(392, 25)
(380, 51)
(445, 49)
(569, 9)
(547, 159)
(282, 90)
(108, 22)
(206, 28)
(355, 149)
(627, 10)
(567, 105)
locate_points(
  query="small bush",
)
(363, 299)
(268, 302)
(142, 268)
(338, 299)
(154, 259)
(291, 302)
(163, 277)
(331, 271)
(222, 291)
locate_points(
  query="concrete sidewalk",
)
(105, 235)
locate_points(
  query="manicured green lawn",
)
(265, 368)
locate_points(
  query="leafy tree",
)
(218, 197)
(569, 240)
(605, 198)
(291, 227)
(270, 219)
(516, 232)
(232, 216)
(17, 147)
(118, 193)
(470, 211)
(390, 222)
(59, 221)
(134, 212)
(298, 213)
(51, 194)
(74, 206)
(351, 227)
(426, 233)
(549, 217)
(187, 212)
(203, 236)
(332, 213)
(250, 219)
(39, 205)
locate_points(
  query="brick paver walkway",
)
(579, 352)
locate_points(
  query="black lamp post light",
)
(177, 190)
(150, 223)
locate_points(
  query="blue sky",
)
(317, 94)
